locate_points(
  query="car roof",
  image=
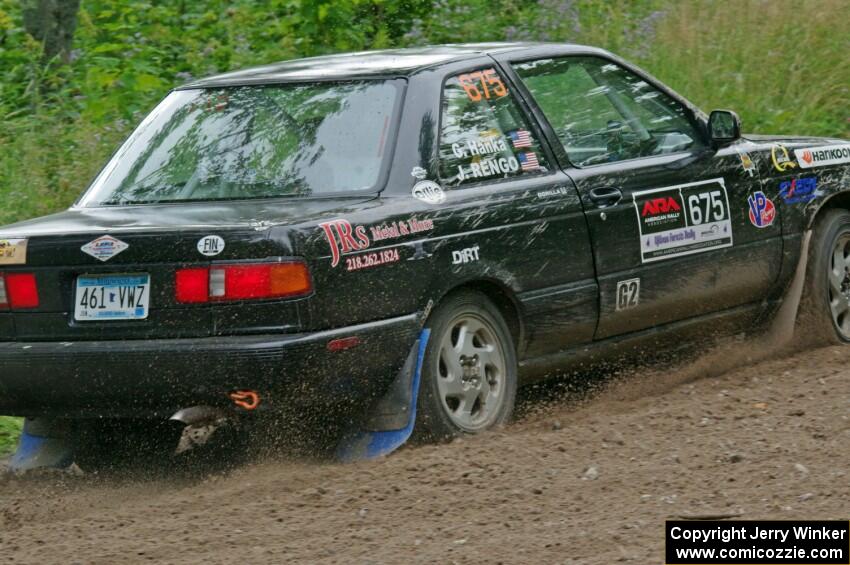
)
(388, 62)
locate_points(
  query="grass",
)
(10, 429)
(784, 74)
(780, 64)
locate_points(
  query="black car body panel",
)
(558, 261)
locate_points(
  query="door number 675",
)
(706, 207)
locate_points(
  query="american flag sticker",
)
(528, 161)
(520, 138)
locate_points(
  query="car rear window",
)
(254, 142)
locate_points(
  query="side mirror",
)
(724, 126)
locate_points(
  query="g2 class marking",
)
(628, 294)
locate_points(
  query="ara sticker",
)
(418, 173)
(104, 248)
(13, 251)
(628, 294)
(210, 245)
(683, 219)
(429, 191)
(747, 163)
(798, 191)
(823, 156)
(762, 211)
(781, 160)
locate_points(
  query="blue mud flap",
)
(39, 449)
(376, 443)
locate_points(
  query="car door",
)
(508, 210)
(679, 228)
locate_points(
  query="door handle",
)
(604, 197)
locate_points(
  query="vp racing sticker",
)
(761, 209)
(683, 219)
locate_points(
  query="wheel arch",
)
(505, 300)
(838, 197)
(839, 200)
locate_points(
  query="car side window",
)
(603, 113)
(484, 134)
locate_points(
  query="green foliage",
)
(59, 123)
(10, 429)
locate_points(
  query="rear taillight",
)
(4, 300)
(192, 285)
(18, 290)
(243, 281)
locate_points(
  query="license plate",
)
(112, 297)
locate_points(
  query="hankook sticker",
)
(683, 219)
(823, 156)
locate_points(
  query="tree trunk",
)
(53, 23)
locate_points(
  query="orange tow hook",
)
(247, 399)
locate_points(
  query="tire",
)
(112, 445)
(824, 315)
(469, 372)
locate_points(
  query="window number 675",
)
(706, 207)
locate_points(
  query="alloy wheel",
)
(471, 373)
(839, 285)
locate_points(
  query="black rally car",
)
(281, 236)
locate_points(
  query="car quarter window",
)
(484, 134)
(603, 113)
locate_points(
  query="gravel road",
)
(586, 478)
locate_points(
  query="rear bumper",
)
(155, 378)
